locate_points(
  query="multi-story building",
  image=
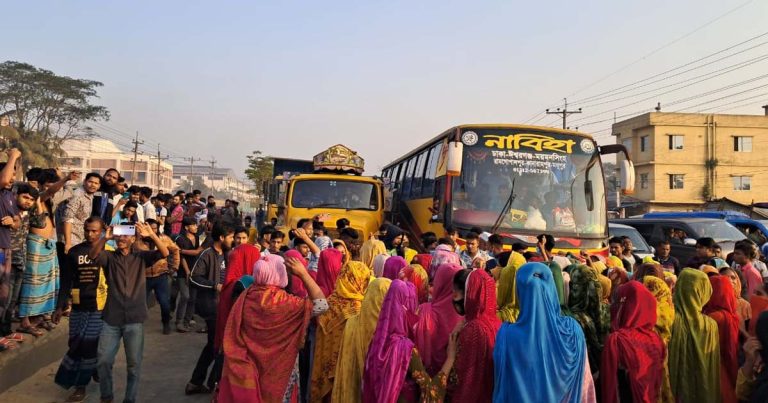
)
(97, 155)
(683, 160)
(223, 181)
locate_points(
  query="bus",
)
(336, 189)
(513, 180)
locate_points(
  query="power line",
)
(563, 113)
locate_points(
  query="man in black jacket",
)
(207, 278)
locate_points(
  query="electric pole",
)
(136, 143)
(160, 160)
(212, 161)
(191, 171)
(564, 112)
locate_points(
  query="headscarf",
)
(264, 332)
(613, 262)
(759, 304)
(389, 354)
(605, 289)
(671, 280)
(743, 308)
(344, 302)
(328, 269)
(297, 286)
(634, 346)
(437, 320)
(392, 267)
(507, 304)
(370, 249)
(474, 363)
(378, 265)
(240, 262)
(269, 270)
(584, 305)
(694, 347)
(665, 316)
(709, 270)
(423, 259)
(443, 254)
(760, 393)
(648, 269)
(354, 346)
(392, 233)
(416, 275)
(561, 285)
(722, 308)
(618, 276)
(599, 266)
(541, 357)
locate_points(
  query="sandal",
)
(6, 344)
(77, 396)
(30, 330)
(47, 325)
(17, 337)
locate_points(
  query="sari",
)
(423, 259)
(648, 269)
(507, 307)
(240, 262)
(584, 306)
(443, 254)
(694, 349)
(392, 267)
(542, 357)
(354, 345)
(743, 308)
(386, 364)
(328, 269)
(474, 362)
(613, 262)
(722, 308)
(344, 302)
(297, 286)
(265, 330)
(378, 265)
(605, 289)
(759, 304)
(437, 319)
(416, 275)
(665, 316)
(370, 249)
(633, 346)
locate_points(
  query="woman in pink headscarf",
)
(437, 319)
(393, 266)
(328, 269)
(443, 254)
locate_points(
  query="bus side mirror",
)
(455, 152)
(627, 177)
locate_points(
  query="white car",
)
(641, 248)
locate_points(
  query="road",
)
(167, 366)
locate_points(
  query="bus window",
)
(418, 175)
(407, 179)
(428, 185)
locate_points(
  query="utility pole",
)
(212, 161)
(191, 171)
(136, 143)
(160, 160)
(564, 112)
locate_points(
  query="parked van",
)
(682, 233)
(755, 230)
(641, 247)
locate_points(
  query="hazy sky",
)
(292, 78)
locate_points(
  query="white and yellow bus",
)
(514, 180)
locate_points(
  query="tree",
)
(197, 182)
(259, 170)
(46, 109)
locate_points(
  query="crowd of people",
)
(318, 314)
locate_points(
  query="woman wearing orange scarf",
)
(722, 308)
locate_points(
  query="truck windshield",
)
(341, 194)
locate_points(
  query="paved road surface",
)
(167, 366)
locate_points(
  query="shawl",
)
(759, 304)
(264, 333)
(354, 345)
(605, 289)
(743, 309)
(507, 305)
(416, 275)
(722, 308)
(328, 269)
(648, 269)
(392, 267)
(694, 350)
(240, 262)
(297, 286)
(424, 259)
(541, 357)
(443, 254)
(560, 284)
(633, 346)
(378, 264)
(665, 316)
(344, 302)
(584, 306)
(389, 354)
(474, 363)
(370, 249)
(437, 319)
(613, 262)
(618, 277)
(227, 298)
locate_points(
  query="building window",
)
(643, 144)
(676, 141)
(627, 143)
(742, 144)
(742, 183)
(643, 181)
(676, 181)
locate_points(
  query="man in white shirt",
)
(150, 212)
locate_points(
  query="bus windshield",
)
(530, 182)
(343, 194)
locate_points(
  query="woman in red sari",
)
(328, 269)
(265, 331)
(634, 348)
(476, 300)
(722, 308)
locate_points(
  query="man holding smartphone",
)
(126, 307)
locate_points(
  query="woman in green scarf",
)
(694, 349)
(584, 305)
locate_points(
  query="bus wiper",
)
(326, 205)
(505, 209)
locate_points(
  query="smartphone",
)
(124, 229)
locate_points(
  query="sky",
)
(221, 79)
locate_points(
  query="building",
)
(97, 155)
(684, 160)
(222, 181)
